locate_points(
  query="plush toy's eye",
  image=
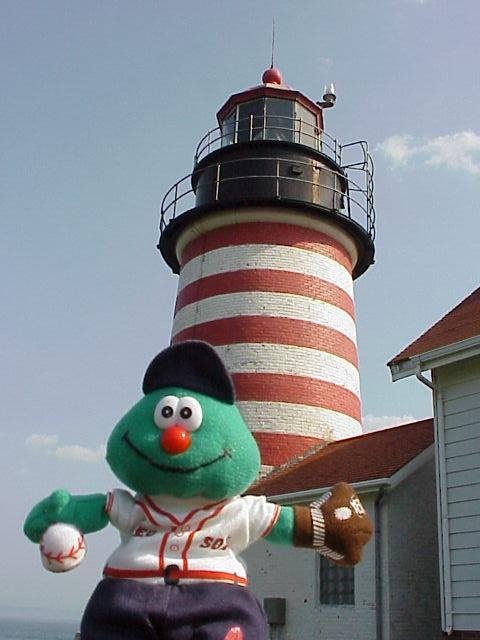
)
(189, 413)
(165, 412)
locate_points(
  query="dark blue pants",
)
(129, 610)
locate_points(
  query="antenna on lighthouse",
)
(273, 41)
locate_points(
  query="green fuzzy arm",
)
(87, 513)
(282, 532)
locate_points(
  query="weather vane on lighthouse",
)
(267, 234)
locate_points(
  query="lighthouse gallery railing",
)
(355, 196)
(269, 127)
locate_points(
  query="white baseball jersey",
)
(199, 539)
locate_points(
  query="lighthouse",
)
(267, 234)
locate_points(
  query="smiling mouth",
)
(163, 467)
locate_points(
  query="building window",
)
(337, 584)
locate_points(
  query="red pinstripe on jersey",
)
(169, 515)
(271, 280)
(108, 506)
(161, 552)
(287, 235)
(258, 329)
(273, 521)
(175, 521)
(199, 528)
(153, 506)
(146, 511)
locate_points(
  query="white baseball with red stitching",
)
(62, 547)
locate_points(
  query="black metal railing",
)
(331, 190)
(268, 127)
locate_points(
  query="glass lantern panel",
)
(250, 120)
(306, 131)
(228, 129)
(279, 119)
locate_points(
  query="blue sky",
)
(102, 106)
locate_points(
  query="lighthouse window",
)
(279, 119)
(250, 121)
(270, 119)
(306, 131)
(228, 129)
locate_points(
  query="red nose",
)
(175, 439)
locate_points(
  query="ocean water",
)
(17, 629)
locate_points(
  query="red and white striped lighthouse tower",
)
(267, 234)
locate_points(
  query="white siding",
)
(457, 402)
(286, 572)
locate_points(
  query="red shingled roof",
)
(460, 323)
(371, 456)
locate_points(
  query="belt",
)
(172, 575)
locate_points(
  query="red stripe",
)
(273, 233)
(161, 551)
(272, 280)
(170, 516)
(204, 508)
(278, 387)
(146, 511)
(195, 575)
(199, 528)
(108, 506)
(189, 515)
(278, 448)
(258, 329)
(273, 521)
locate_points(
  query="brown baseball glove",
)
(336, 524)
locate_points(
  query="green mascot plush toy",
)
(187, 455)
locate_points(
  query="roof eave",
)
(435, 358)
(363, 486)
(313, 494)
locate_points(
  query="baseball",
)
(62, 547)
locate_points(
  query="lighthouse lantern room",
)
(267, 234)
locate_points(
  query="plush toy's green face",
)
(182, 443)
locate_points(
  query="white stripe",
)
(261, 303)
(291, 360)
(266, 256)
(318, 522)
(265, 214)
(298, 419)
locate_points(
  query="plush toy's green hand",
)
(85, 512)
(46, 512)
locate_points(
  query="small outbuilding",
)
(393, 594)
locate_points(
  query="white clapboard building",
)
(450, 350)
